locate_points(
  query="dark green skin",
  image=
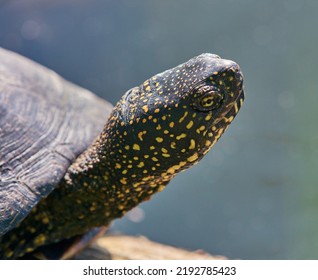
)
(154, 132)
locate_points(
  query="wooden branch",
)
(139, 248)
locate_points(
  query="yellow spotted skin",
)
(156, 130)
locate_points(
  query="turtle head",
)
(173, 119)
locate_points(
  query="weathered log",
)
(120, 247)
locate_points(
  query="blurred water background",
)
(255, 195)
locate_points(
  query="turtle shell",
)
(45, 123)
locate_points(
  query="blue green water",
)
(255, 195)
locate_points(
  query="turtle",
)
(71, 163)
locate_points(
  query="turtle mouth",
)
(231, 110)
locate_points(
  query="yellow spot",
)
(117, 166)
(208, 143)
(146, 156)
(45, 220)
(193, 158)
(141, 164)
(157, 110)
(166, 155)
(166, 131)
(175, 168)
(39, 239)
(164, 150)
(123, 181)
(192, 144)
(122, 123)
(124, 171)
(216, 72)
(144, 120)
(182, 135)
(201, 128)
(147, 88)
(154, 159)
(154, 120)
(208, 117)
(171, 124)
(164, 118)
(9, 253)
(136, 147)
(125, 133)
(145, 108)
(158, 127)
(140, 135)
(93, 207)
(159, 139)
(152, 147)
(136, 158)
(219, 133)
(235, 108)
(231, 78)
(189, 125)
(213, 128)
(145, 179)
(173, 145)
(183, 117)
(121, 207)
(127, 147)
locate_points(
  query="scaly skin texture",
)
(155, 131)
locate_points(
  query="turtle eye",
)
(208, 98)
